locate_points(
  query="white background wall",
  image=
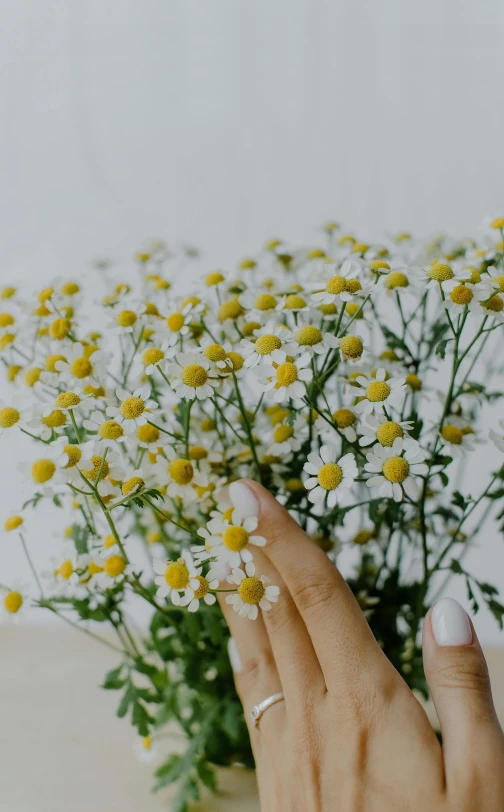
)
(221, 122)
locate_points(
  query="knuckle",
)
(464, 672)
(257, 668)
(313, 594)
(280, 615)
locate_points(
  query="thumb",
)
(458, 679)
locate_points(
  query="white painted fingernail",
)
(450, 624)
(242, 498)
(234, 657)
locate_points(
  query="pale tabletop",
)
(63, 747)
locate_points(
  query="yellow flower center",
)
(352, 346)
(344, 418)
(55, 419)
(175, 322)
(115, 565)
(67, 400)
(396, 279)
(378, 391)
(95, 391)
(132, 408)
(203, 589)
(231, 309)
(214, 352)
(286, 374)
(7, 293)
(352, 307)
(214, 278)
(236, 361)
(294, 485)
(73, 453)
(494, 304)
(12, 372)
(42, 471)
(440, 272)
(147, 433)
(60, 328)
(92, 473)
(474, 275)
(194, 375)
(235, 539)
(94, 568)
(70, 288)
(353, 285)
(13, 522)
(282, 433)
(177, 575)
(250, 327)
(81, 367)
(13, 602)
(362, 537)
(308, 336)
(126, 318)
(388, 432)
(66, 570)
(9, 417)
(379, 265)
(294, 302)
(500, 281)
(110, 430)
(316, 253)
(31, 376)
(6, 319)
(461, 295)
(152, 356)
(336, 285)
(265, 301)
(395, 469)
(452, 434)
(198, 452)
(267, 344)
(207, 424)
(109, 541)
(45, 294)
(136, 483)
(359, 248)
(330, 476)
(414, 382)
(181, 471)
(497, 223)
(251, 590)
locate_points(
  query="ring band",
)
(258, 710)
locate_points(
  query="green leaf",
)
(141, 719)
(440, 350)
(113, 679)
(129, 697)
(207, 775)
(497, 610)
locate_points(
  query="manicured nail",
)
(234, 657)
(450, 624)
(242, 498)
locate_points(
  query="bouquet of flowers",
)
(353, 380)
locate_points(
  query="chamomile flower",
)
(45, 422)
(146, 748)
(489, 285)
(45, 471)
(13, 602)
(493, 307)
(81, 367)
(177, 580)
(309, 339)
(329, 477)
(231, 540)
(179, 474)
(134, 409)
(498, 437)
(339, 284)
(252, 592)
(288, 437)
(126, 319)
(379, 429)
(394, 469)
(101, 470)
(345, 421)
(110, 432)
(379, 393)
(203, 592)
(13, 412)
(441, 275)
(156, 357)
(287, 380)
(456, 440)
(63, 577)
(272, 343)
(401, 279)
(192, 376)
(177, 324)
(114, 569)
(460, 297)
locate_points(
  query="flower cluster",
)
(315, 371)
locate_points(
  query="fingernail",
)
(234, 657)
(450, 624)
(242, 498)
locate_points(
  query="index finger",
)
(343, 642)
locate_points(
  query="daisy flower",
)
(345, 421)
(109, 432)
(13, 602)
(457, 441)
(493, 307)
(488, 285)
(81, 367)
(192, 376)
(339, 285)
(179, 474)
(63, 578)
(131, 412)
(109, 570)
(99, 470)
(45, 471)
(146, 748)
(252, 592)
(125, 320)
(156, 357)
(177, 324)
(202, 593)
(177, 580)
(329, 476)
(271, 344)
(13, 412)
(286, 380)
(230, 540)
(394, 467)
(379, 429)
(309, 338)
(287, 438)
(402, 279)
(498, 439)
(379, 392)
(441, 275)
(460, 297)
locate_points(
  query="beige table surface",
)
(62, 749)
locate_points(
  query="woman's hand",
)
(350, 735)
